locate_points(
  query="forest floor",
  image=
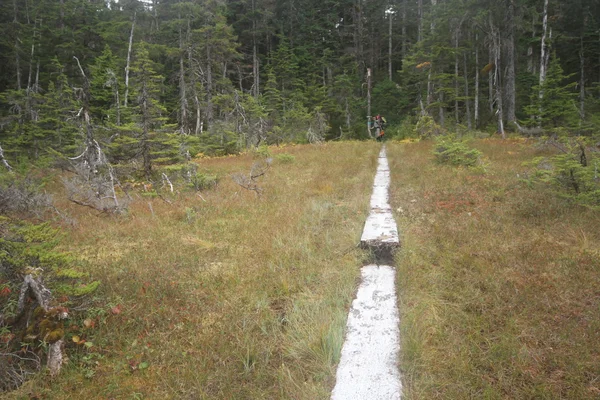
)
(238, 296)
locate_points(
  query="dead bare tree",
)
(3, 160)
(249, 181)
(94, 182)
(16, 367)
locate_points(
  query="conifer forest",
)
(159, 81)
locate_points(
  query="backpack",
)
(383, 120)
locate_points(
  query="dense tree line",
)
(161, 80)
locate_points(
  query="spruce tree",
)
(554, 106)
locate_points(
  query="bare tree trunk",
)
(32, 87)
(17, 47)
(456, 85)
(496, 48)
(361, 51)
(433, 4)
(404, 40)
(155, 20)
(192, 79)
(391, 17)
(372, 46)
(118, 105)
(358, 33)
(3, 160)
(429, 75)
(582, 78)
(18, 63)
(491, 96)
(476, 101)
(369, 98)
(209, 82)
(530, 55)
(145, 139)
(31, 57)
(62, 15)
(429, 98)
(420, 20)
(129, 61)
(183, 116)
(510, 77)
(467, 101)
(544, 49)
(255, 65)
(348, 116)
(441, 109)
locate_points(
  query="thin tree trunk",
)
(209, 82)
(491, 96)
(372, 46)
(456, 85)
(155, 20)
(530, 55)
(129, 61)
(348, 120)
(404, 40)
(441, 109)
(581, 81)
(17, 47)
(429, 75)
(433, 4)
(18, 63)
(3, 160)
(497, 78)
(36, 85)
(359, 33)
(544, 50)
(510, 77)
(62, 15)
(255, 65)
(391, 17)
(429, 98)
(31, 57)
(183, 116)
(118, 104)
(476, 101)
(31, 87)
(192, 79)
(369, 98)
(419, 20)
(467, 101)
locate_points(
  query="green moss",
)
(54, 335)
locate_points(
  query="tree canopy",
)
(189, 76)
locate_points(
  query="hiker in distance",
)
(378, 124)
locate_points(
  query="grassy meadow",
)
(499, 284)
(226, 294)
(229, 295)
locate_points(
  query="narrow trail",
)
(368, 366)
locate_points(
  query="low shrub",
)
(426, 128)
(574, 172)
(454, 152)
(285, 158)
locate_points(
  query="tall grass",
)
(499, 284)
(228, 296)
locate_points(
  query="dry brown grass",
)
(234, 297)
(499, 284)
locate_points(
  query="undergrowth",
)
(455, 152)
